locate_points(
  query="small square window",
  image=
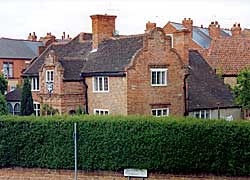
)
(101, 111)
(158, 77)
(160, 112)
(101, 84)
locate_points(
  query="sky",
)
(21, 17)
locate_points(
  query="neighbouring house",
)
(105, 73)
(15, 55)
(13, 99)
(226, 51)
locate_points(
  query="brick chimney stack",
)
(188, 23)
(150, 26)
(236, 30)
(181, 44)
(103, 27)
(32, 37)
(214, 30)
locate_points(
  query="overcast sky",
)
(19, 17)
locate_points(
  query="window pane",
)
(100, 84)
(158, 112)
(163, 77)
(10, 108)
(196, 114)
(52, 76)
(96, 83)
(203, 114)
(10, 70)
(105, 84)
(158, 78)
(164, 112)
(106, 112)
(153, 77)
(207, 114)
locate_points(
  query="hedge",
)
(164, 145)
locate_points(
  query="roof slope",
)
(112, 56)
(201, 35)
(229, 55)
(14, 96)
(18, 49)
(205, 89)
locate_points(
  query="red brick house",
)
(111, 74)
(15, 55)
(226, 51)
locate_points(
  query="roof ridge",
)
(20, 40)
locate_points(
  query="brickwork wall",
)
(18, 67)
(115, 100)
(46, 174)
(141, 95)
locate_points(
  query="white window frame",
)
(8, 71)
(159, 70)
(49, 76)
(36, 109)
(103, 110)
(172, 39)
(205, 114)
(160, 109)
(35, 85)
(98, 89)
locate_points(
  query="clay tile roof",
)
(112, 56)
(205, 89)
(229, 55)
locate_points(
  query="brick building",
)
(15, 55)
(105, 73)
(226, 51)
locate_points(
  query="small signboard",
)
(136, 173)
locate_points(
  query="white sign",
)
(136, 173)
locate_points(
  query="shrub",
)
(165, 145)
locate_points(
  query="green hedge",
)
(165, 145)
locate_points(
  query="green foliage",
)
(49, 110)
(165, 145)
(242, 89)
(79, 110)
(26, 99)
(3, 84)
(3, 105)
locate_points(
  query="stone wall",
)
(48, 174)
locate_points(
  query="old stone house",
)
(105, 73)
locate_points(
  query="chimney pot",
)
(201, 26)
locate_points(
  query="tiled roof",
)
(112, 56)
(14, 96)
(229, 55)
(205, 89)
(18, 49)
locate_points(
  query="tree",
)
(3, 105)
(242, 89)
(26, 99)
(3, 84)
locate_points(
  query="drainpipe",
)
(185, 95)
(86, 96)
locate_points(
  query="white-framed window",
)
(8, 69)
(159, 76)
(37, 109)
(202, 114)
(160, 112)
(100, 84)
(172, 39)
(35, 84)
(101, 111)
(49, 76)
(17, 109)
